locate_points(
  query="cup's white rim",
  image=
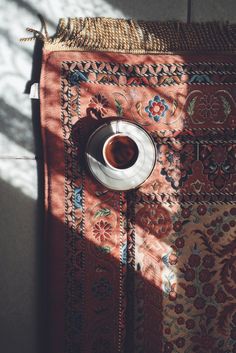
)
(99, 174)
(105, 144)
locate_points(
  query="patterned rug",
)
(152, 270)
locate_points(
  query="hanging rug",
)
(151, 269)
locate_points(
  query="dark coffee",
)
(121, 152)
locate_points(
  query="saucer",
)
(123, 179)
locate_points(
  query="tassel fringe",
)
(138, 37)
(37, 34)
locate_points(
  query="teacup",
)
(120, 151)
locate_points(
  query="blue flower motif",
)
(78, 197)
(200, 79)
(156, 108)
(165, 260)
(77, 77)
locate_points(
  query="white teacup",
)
(120, 151)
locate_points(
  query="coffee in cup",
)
(120, 151)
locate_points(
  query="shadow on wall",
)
(21, 260)
(161, 10)
(22, 298)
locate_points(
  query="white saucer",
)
(126, 179)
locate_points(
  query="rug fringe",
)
(131, 36)
(42, 35)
